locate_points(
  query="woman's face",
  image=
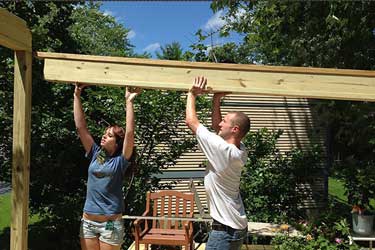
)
(108, 141)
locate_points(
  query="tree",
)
(99, 34)
(226, 53)
(270, 183)
(48, 22)
(57, 163)
(173, 51)
(332, 34)
(58, 172)
(58, 166)
(46, 36)
(318, 34)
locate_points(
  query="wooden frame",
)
(339, 84)
(15, 35)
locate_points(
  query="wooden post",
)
(21, 149)
(15, 35)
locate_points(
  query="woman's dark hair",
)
(120, 136)
(119, 133)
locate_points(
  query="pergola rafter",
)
(14, 33)
(319, 83)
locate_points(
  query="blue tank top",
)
(104, 184)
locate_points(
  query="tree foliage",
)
(46, 36)
(50, 134)
(271, 182)
(58, 166)
(226, 53)
(330, 34)
(171, 51)
(99, 34)
(305, 33)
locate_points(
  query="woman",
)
(102, 226)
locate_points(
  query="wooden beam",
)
(14, 33)
(317, 83)
(21, 150)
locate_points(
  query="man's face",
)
(226, 126)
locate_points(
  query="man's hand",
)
(131, 93)
(199, 86)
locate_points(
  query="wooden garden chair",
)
(168, 205)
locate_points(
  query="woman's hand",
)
(131, 93)
(78, 88)
(220, 95)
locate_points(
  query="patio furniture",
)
(171, 229)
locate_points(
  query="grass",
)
(5, 212)
(336, 190)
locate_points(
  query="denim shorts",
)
(223, 240)
(111, 232)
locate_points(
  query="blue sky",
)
(155, 23)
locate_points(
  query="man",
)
(226, 155)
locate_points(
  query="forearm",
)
(216, 113)
(191, 115)
(79, 116)
(129, 132)
(80, 121)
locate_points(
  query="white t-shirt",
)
(222, 178)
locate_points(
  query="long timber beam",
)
(319, 83)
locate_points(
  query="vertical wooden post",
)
(21, 149)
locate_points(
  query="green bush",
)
(329, 230)
(318, 235)
(269, 185)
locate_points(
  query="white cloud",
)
(241, 13)
(152, 47)
(131, 34)
(215, 22)
(113, 14)
(212, 46)
(108, 13)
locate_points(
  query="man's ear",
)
(236, 128)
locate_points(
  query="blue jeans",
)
(223, 240)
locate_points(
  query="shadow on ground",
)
(43, 236)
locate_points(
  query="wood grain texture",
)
(302, 82)
(14, 33)
(21, 150)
